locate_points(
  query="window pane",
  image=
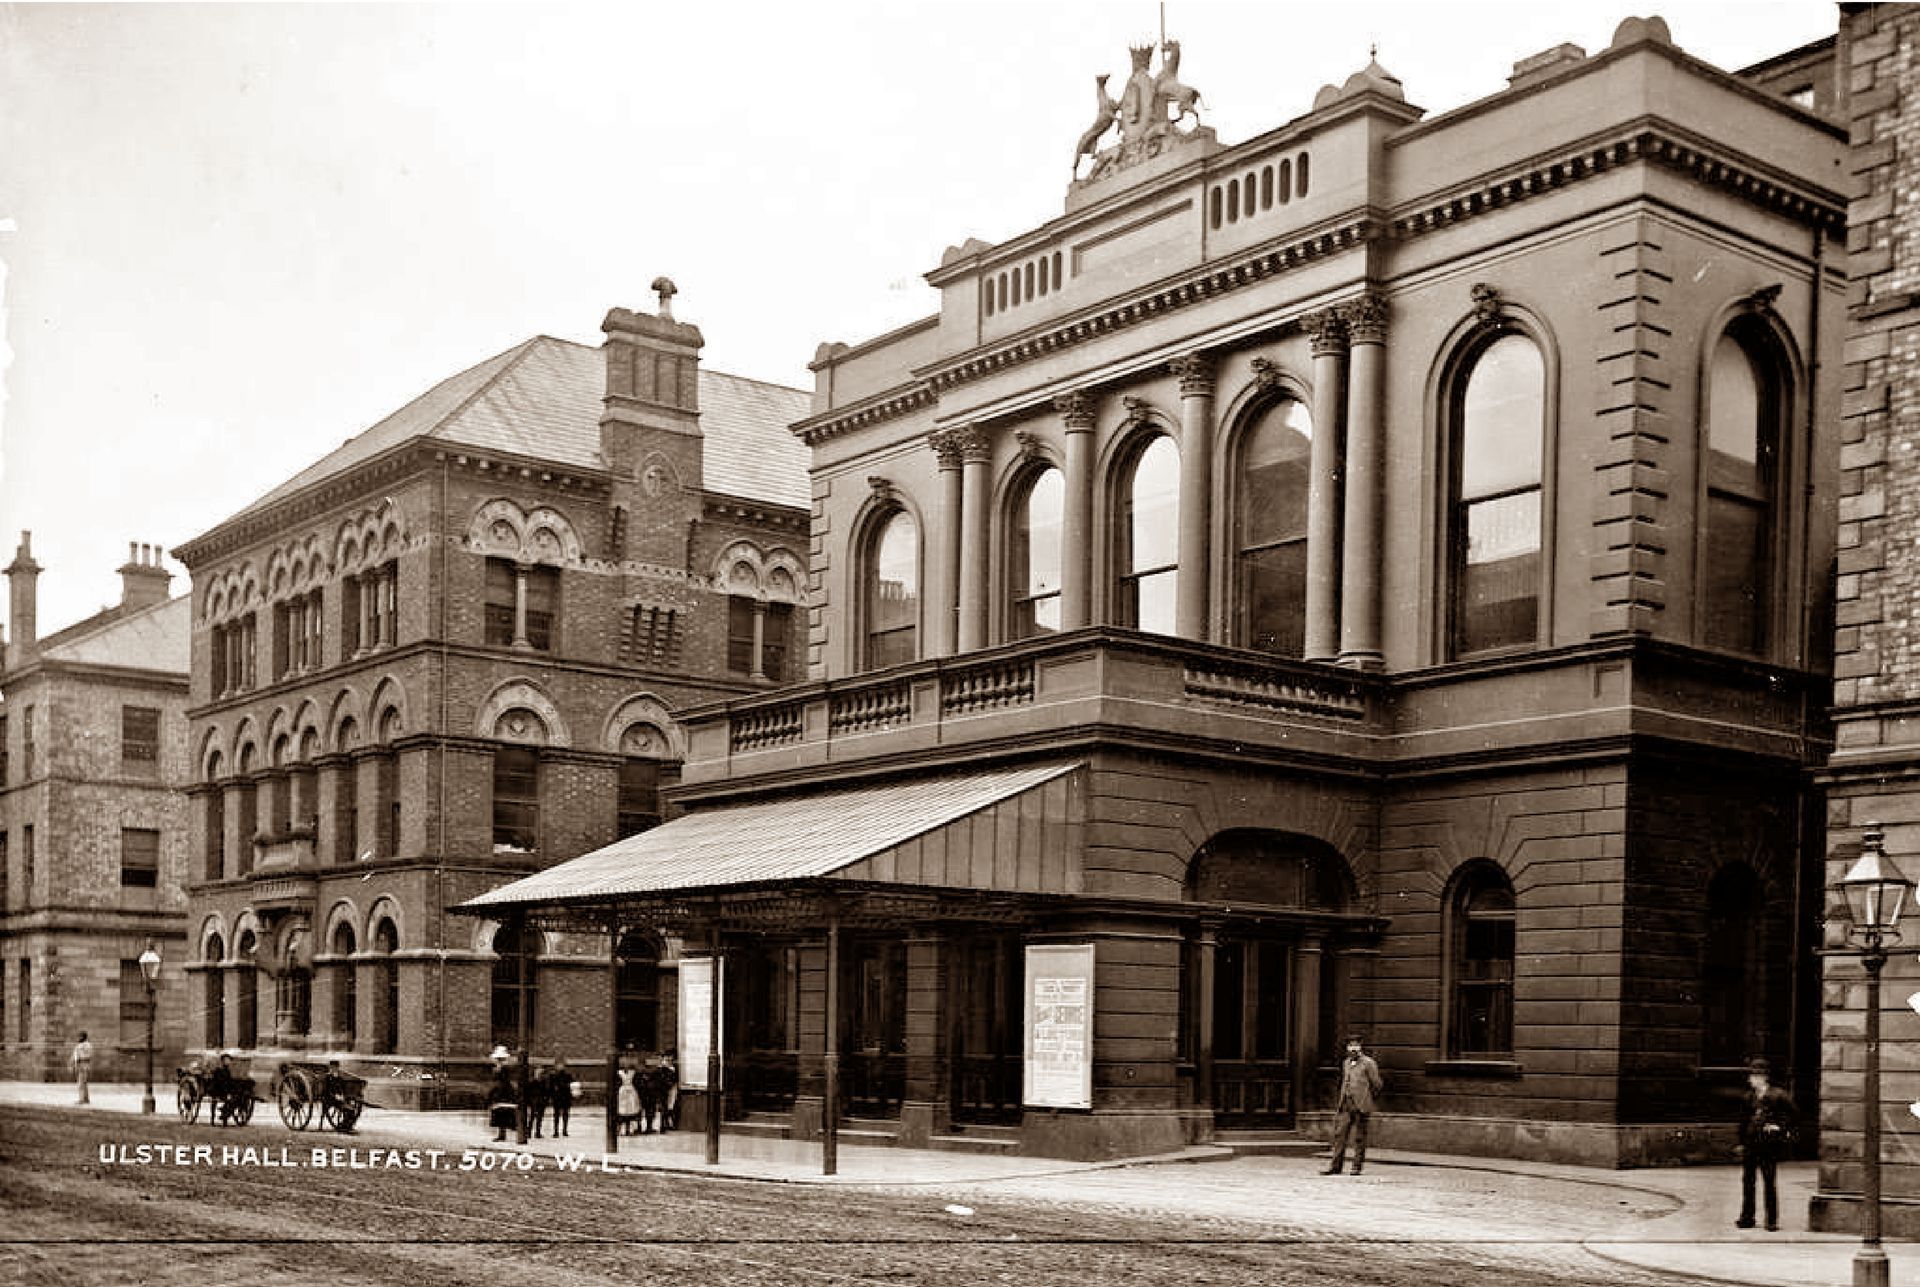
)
(773, 643)
(1502, 415)
(1273, 477)
(516, 798)
(499, 601)
(1734, 610)
(1498, 596)
(1153, 603)
(1046, 502)
(740, 634)
(1273, 592)
(543, 604)
(1733, 409)
(1154, 518)
(893, 593)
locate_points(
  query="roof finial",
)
(666, 290)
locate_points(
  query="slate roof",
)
(770, 841)
(156, 638)
(542, 399)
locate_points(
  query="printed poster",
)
(696, 998)
(1059, 1064)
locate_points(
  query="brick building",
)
(453, 651)
(93, 829)
(1876, 757)
(1373, 576)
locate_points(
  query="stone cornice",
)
(715, 505)
(1640, 142)
(891, 405)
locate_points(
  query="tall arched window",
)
(1745, 403)
(510, 946)
(216, 995)
(247, 998)
(1034, 562)
(1480, 913)
(1149, 532)
(386, 941)
(1498, 409)
(1733, 1027)
(346, 991)
(1270, 520)
(891, 592)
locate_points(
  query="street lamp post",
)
(1876, 891)
(150, 972)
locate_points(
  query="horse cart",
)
(229, 1098)
(307, 1089)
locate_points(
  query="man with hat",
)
(1766, 1129)
(1359, 1087)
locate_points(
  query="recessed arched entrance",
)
(1263, 998)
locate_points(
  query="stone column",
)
(1203, 964)
(1191, 619)
(520, 639)
(757, 668)
(1304, 1050)
(944, 599)
(1076, 534)
(1366, 320)
(1329, 334)
(976, 455)
(926, 1110)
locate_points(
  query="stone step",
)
(1269, 1143)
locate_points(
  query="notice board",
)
(696, 997)
(1059, 1064)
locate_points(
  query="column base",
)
(1358, 660)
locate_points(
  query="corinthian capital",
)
(946, 447)
(1366, 319)
(1075, 408)
(1327, 330)
(1196, 374)
(975, 447)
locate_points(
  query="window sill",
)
(1487, 1069)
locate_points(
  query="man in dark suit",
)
(1766, 1130)
(1359, 1089)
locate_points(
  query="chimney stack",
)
(650, 428)
(23, 585)
(143, 581)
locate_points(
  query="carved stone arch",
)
(521, 695)
(384, 908)
(875, 509)
(279, 725)
(389, 699)
(343, 712)
(245, 925)
(208, 755)
(546, 942)
(1258, 865)
(249, 582)
(343, 912)
(246, 738)
(740, 568)
(211, 934)
(346, 547)
(644, 711)
(551, 537)
(786, 574)
(498, 527)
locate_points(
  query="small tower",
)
(23, 586)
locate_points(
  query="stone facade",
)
(1876, 643)
(1409, 539)
(93, 829)
(456, 651)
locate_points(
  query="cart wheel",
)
(342, 1114)
(187, 1096)
(296, 1105)
(242, 1110)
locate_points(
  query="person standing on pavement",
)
(82, 1061)
(503, 1101)
(1766, 1129)
(1360, 1086)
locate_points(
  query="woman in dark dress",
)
(503, 1112)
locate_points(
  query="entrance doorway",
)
(874, 1065)
(988, 970)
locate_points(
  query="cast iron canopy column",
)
(1076, 545)
(1366, 320)
(1195, 371)
(1329, 333)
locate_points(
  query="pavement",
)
(1677, 1221)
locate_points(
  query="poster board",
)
(696, 996)
(1059, 1026)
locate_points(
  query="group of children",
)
(647, 1100)
(649, 1095)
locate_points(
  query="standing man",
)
(1766, 1129)
(1359, 1087)
(82, 1061)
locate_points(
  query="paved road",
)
(414, 1220)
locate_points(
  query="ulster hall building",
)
(449, 653)
(1370, 578)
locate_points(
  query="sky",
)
(233, 236)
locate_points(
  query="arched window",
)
(1480, 913)
(1498, 411)
(891, 592)
(346, 990)
(511, 946)
(215, 1008)
(247, 1000)
(1148, 528)
(1034, 557)
(1745, 404)
(637, 994)
(1733, 1027)
(386, 941)
(1270, 520)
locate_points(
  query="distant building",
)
(1372, 577)
(93, 829)
(454, 651)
